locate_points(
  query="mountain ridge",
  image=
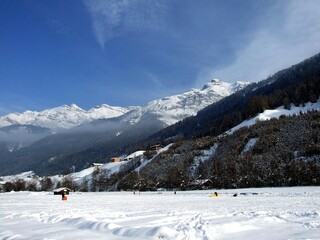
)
(77, 150)
(62, 117)
(68, 116)
(109, 137)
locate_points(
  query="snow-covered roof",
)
(62, 189)
(135, 154)
(97, 164)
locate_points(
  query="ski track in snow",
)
(270, 213)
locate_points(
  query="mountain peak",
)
(215, 80)
(74, 106)
(172, 109)
(212, 83)
(169, 110)
(224, 88)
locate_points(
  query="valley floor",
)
(266, 213)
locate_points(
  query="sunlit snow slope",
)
(276, 113)
(172, 109)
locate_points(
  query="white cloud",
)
(114, 18)
(276, 45)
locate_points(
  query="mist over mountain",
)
(15, 137)
(214, 109)
(82, 137)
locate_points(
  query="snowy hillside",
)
(62, 117)
(265, 213)
(174, 108)
(276, 113)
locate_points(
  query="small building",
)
(116, 159)
(200, 184)
(129, 157)
(62, 190)
(134, 155)
(156, 147)
(97, 165)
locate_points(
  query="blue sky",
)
(128, 52)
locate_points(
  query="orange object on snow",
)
(65, 198)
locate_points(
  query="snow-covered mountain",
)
(96, 131)
(174, 108)
(62, 117)
(168, 110)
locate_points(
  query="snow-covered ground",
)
(276, 113)
(269, 213)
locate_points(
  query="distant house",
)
(97, 165)
(134, 155)
(200, 184)
(62, 190)
(156, 147)
(116, 159)
(129, 157)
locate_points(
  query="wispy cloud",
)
(117, 17)
(276, 44)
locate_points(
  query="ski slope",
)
(266, 213)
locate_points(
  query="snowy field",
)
(266, 213)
